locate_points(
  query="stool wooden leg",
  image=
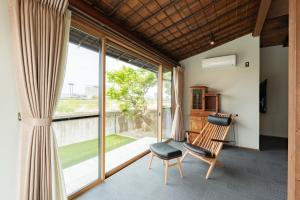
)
(166, 171)
(150, 162)
(179, 167)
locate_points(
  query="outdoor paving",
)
(79, 175)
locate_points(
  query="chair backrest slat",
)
(213, 131)
(218, 147)
(206, 135)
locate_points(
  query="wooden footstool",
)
(166, 152)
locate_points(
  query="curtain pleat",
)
(40, 31)
(178, 125)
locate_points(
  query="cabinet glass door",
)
(197, 99)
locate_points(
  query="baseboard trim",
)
(241, 147)
(272, 136)
(267, 142)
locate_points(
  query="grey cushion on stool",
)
(165, 151)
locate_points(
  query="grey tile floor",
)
(246, 175)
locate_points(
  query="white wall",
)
(274, 67)
(8, 110)
(239, 86)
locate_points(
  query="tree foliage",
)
(129, 86)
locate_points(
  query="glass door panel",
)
(76, 121)
(131, 106)
(197, 99)
(167, 103)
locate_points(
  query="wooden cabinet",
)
(203, 103)
(196, 123)
(212, 102)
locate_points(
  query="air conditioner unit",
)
(219, 62)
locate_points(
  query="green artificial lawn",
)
(70, 106)
(75, 153)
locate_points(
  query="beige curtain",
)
(178, 125)
(40, 32)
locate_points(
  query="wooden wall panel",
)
(294, 101)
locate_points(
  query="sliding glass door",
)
(166, 103)
(76, 121)
(114, 103)
(131, 106)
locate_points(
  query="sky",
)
(83, 68)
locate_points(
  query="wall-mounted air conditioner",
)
(219, 62)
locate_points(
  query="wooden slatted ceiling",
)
(275, 30)
(182, 28)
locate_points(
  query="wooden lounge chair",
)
(208, 144)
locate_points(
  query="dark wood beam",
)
(274, 31)
(199, 12)
(222, 25)
(91, 13)
(273, 40)
(286, 42)
(120, 3)
(278, 8)
(261, 16)
(140, 23)
(275, 37)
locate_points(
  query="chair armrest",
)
(188, 135)
(195, 132)
(222, 141)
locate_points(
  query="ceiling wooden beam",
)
(286, 42)
(261, 16)
(278, 8)
(117, 7)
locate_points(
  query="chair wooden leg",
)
(166, 171)
(184, 155)
(219, 164)
(179, 167)
(211, 167)
(150, 162)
